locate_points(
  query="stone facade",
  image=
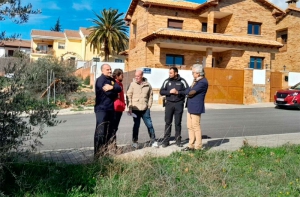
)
(289, 56)
(215, 33)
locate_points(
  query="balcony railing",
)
(44, 52)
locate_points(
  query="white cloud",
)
(37, 19)
(282, 4)
(82, 6)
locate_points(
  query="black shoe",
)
(178, 143)
(187, 149)
(164, 145)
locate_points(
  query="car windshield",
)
(296, 87)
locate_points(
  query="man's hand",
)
(130, 112)
(192, 93)
(107, 87)
(173, 91)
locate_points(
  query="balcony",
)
(50, 52)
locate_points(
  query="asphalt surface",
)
(78, 130)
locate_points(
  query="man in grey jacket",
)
(140, 98)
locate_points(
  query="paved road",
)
(78, 130)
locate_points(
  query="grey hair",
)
(198, 68)
(104, 65)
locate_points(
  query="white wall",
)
(159, 75)
(294, 78)
(2, 52)
(113, 65)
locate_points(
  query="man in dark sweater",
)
(174, 89)
(106, 90)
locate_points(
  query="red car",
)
(289, 97)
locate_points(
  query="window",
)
(172, 60)
(256, 62)
(204, 28)
(42, 48)
(134, 29)
(10, 53)
(215, 28)
(254, 28)
(284, 38)
(118, 60)
(61, 45)
(176, 24)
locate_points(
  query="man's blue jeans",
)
(145, 115)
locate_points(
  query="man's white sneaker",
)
(135, 145)
(155, 144)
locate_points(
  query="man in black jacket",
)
(107, 91)
(174, 89)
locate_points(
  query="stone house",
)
(227, 35)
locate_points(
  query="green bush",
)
(87, 80)
(80, 101)
(63, 71)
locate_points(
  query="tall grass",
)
(250, 171)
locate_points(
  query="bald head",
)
(106, 70)
(138, 76)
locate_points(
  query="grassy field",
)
(250, 171)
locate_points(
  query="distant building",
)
(7, 48)
(68, 45)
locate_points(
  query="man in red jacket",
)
(119, 104)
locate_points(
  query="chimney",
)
(292, 3)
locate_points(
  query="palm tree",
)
(109, 32)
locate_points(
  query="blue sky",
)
(72, 13)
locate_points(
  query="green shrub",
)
(87, 80)
(80, 101)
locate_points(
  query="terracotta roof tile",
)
(211, 37)
(72, 34)
(293, 9)
(17, 43)
(43, 33)
(172, 3)
(85, 31)
(185, 5)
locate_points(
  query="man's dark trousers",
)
(173, 109)
(104, 130)
(117, 118)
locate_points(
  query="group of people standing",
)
(110, 104)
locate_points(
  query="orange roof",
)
(293, 9)
(271, 5)
(72, 34)
(185, 5)
(85, 31)
(210, 37)
(171, 3)
(43, 33)
(16, 43)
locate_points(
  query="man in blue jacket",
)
(195, 106)
(174, 89)
(106, 90)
